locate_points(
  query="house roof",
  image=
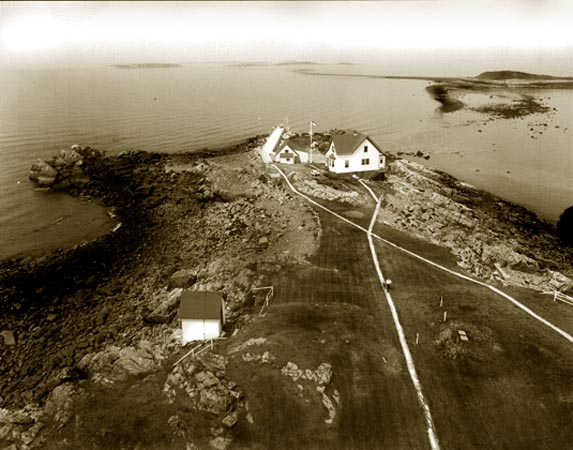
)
(298, 143)
(200, 305)
(347, 143)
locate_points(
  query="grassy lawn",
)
(329, 311)
(509, 387)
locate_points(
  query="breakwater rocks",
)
(492, 239)
(81, 316)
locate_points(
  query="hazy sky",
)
(110, 32)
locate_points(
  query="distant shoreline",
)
(469, 82)
(146, 66)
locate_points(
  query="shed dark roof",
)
(200, 305)
(299, 143)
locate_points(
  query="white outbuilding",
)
(353, 152)
(202, 315)
(294, 150)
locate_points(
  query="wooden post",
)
(441, 301)
(554, 296)
(417, 338)
(445, 316)
(310, 148)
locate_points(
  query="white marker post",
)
(417, 338)
(445, 316)
(441, 301)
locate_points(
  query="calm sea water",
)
(199, 106)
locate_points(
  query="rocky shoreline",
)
(492, 239)
(83, 319)
(221, 218)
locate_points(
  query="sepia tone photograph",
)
(286, 225)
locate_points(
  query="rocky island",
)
(91, 368)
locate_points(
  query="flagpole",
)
(311, 142)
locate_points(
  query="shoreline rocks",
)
(482, 231)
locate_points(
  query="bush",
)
(565, 227)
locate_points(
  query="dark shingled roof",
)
(200, 305)
(299, 143)
(346, 144)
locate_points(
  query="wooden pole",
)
(441, 301)
(417, 338)
(445, 316)
(310, 134)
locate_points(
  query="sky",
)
(526, 33)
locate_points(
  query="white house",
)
(202, 315)
(353, 152)
(293, 151)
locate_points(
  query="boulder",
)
(42, 169)
(131, 363)
(46, 181)
(220, 443)
(59, 403)
(8, 337)
(215, 400)
(231, 419)
(69, 157)
(206, 379)
(115, 364)
(324, 373)
(182, 278)
(264, 241)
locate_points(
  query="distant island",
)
(249, 64)
(297, 63)
(501, 75)
(146, 66)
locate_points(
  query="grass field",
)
(332, 310)
(508, 387)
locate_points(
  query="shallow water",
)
(212, 105)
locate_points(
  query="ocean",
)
(213, 105)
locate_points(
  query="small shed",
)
(202, 315)
(293, 151)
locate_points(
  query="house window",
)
(365, 149)
(346, 164)
(365, 161)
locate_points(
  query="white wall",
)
(303, 156)
(199, 330)
(286, 151)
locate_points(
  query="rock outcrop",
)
(203, 385)
(119, 364)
